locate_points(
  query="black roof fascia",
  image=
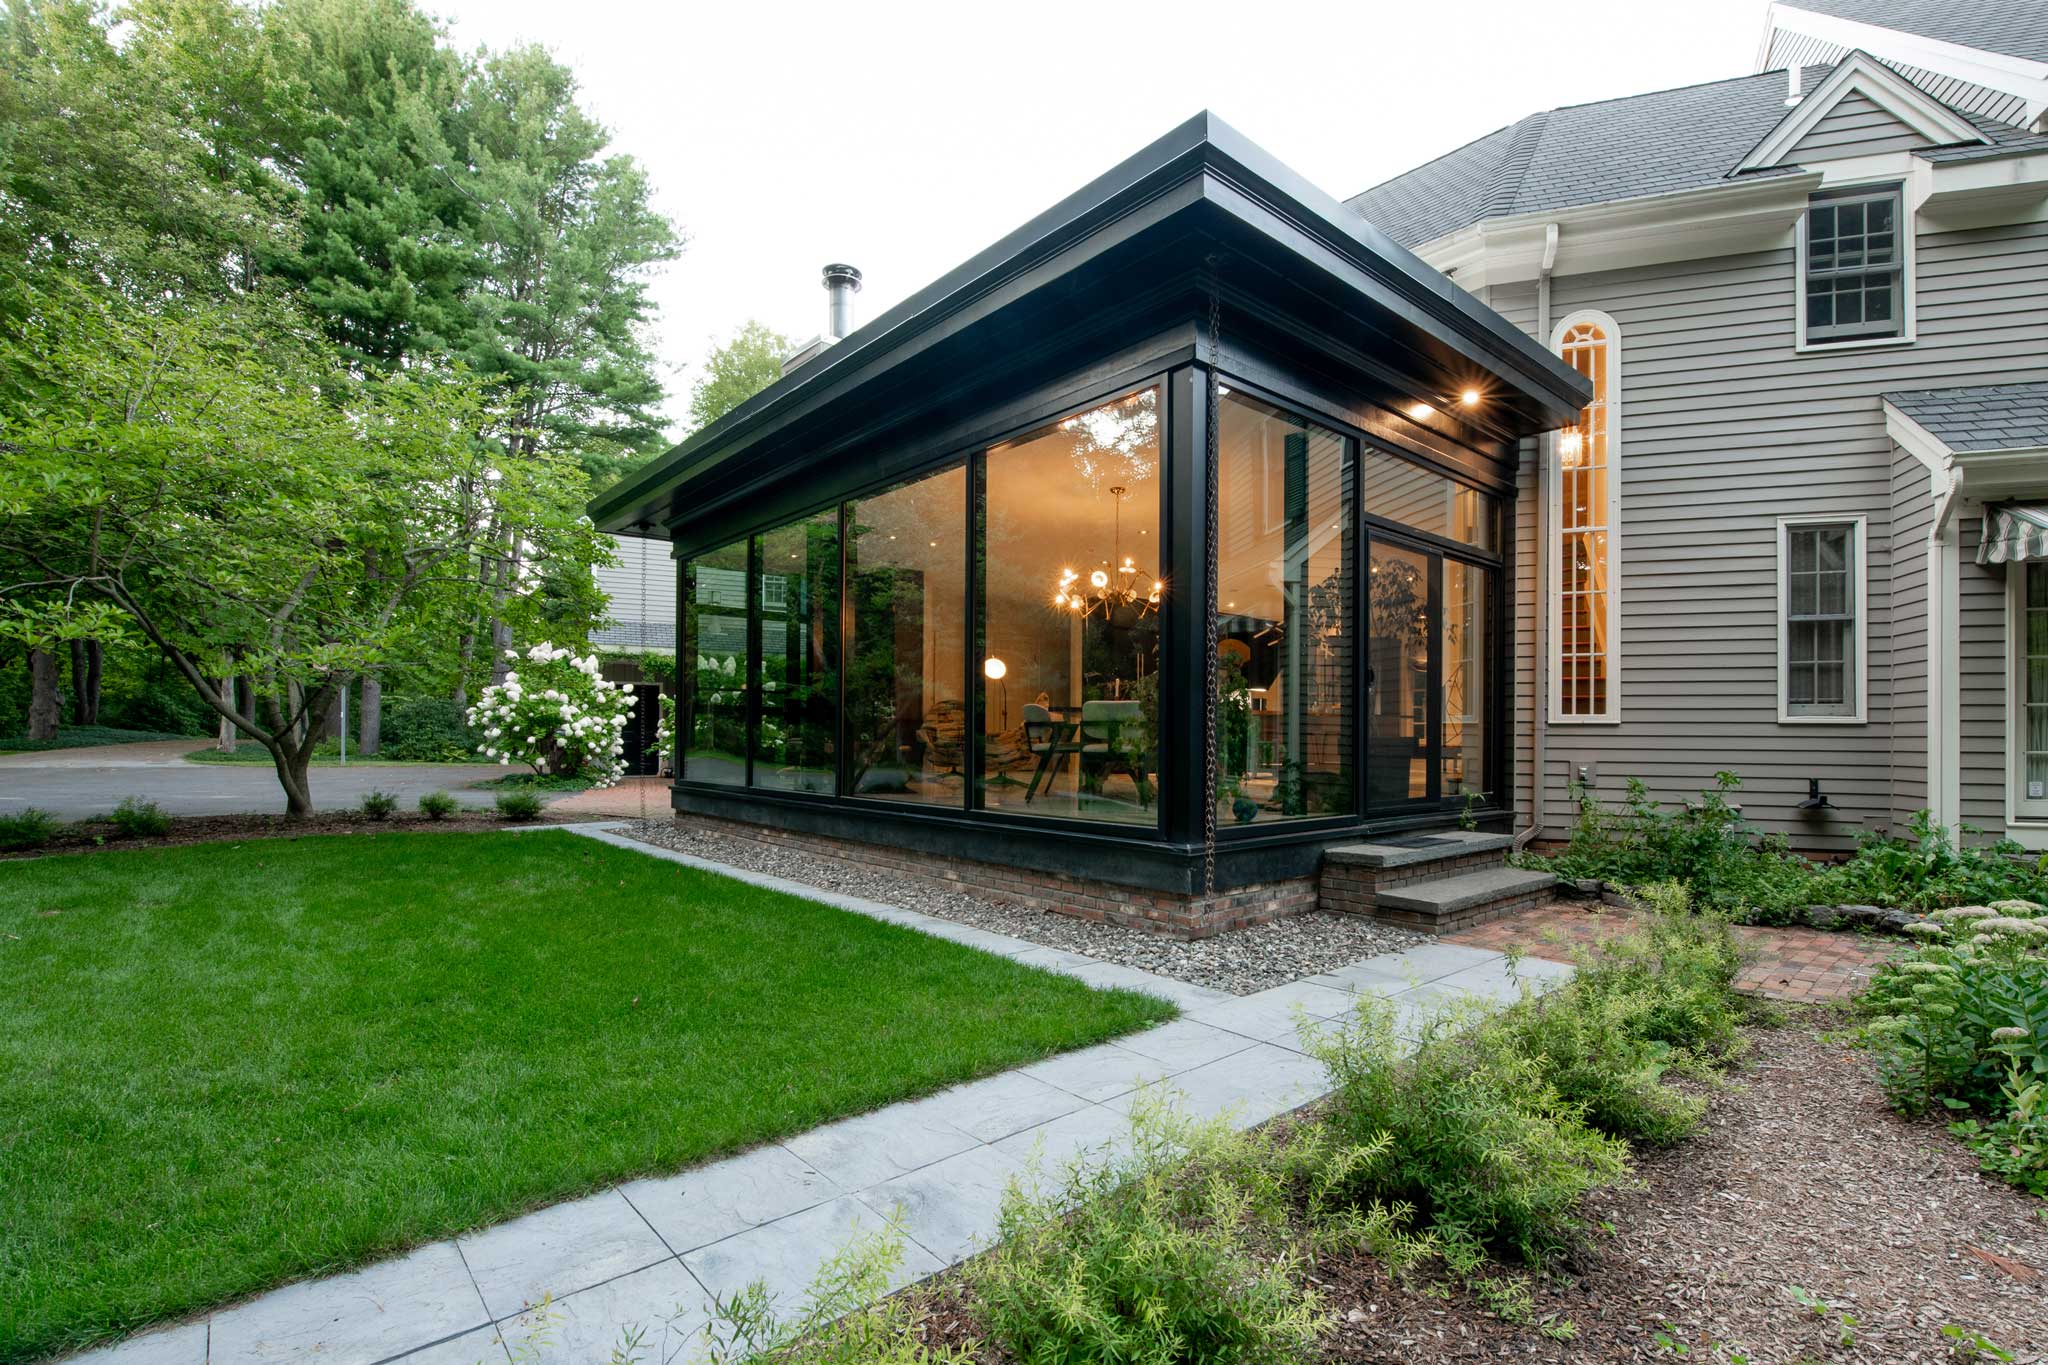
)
(1199, 168)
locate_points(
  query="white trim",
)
(1909, 237)
(1979, 66)
(1860, 73)
(1944, 666)
(2019, 809)
(1860, 577)
(1554, 530)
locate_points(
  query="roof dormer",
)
(1862, 108)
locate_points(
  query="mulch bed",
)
(89, 836)
(1801, 1176)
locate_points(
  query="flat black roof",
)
(1200, 190)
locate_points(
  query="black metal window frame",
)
(1858, 267)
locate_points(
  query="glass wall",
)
(715, 636)
(906, 665)
(794, 742)
(1403, 491)
(1468, 696)
(1068, 617)
(1284, 604)
(1401, 657)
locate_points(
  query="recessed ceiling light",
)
(1470, 398)
(1420, 410)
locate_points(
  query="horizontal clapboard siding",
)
(641, 589)
(1856, 126)
(1726, 428)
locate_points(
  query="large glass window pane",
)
(1399, 640)
(906, 713)
(799, 605)
(1284, 603)
(715, 636)
(1068, 617)
(1467, 699)
(1401, 491)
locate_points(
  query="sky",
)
(903, 138)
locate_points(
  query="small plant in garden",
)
(518, 806)
(378, 805)
(1932, 869)
(27, 828)
(1468, 809)
(136, 818)
(1843, 1324)
(557, 715)
(438, 805)
(1970, 1348)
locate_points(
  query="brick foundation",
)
(1162, 912)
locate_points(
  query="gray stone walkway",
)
(647, 1254)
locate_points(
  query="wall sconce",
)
(1816, 799)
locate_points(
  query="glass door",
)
(1403, 675)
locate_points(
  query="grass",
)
(325, 755)
(81, 737)
(232, 1065)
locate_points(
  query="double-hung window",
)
(1821, 647)
(1854, 257)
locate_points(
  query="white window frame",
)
(1554, 529)
(2019, 809)
(1909, 235)
(1859, 577)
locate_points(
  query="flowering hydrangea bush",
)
(555, 714)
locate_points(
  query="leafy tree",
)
(217, 474)
(736, 371)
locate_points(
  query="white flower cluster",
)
(555, 714)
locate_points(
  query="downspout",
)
(1539, 713)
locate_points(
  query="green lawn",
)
(231, 1065)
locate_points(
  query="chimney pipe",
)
(842, 282)
(1792, 95)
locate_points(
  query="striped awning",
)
(2013, 534)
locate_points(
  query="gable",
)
(1856, 126)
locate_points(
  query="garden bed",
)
(1802, 1176)
(96, 835)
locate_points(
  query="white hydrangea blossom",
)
(562, 717)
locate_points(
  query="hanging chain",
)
(1209, 595)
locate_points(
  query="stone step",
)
(1413, 850)
(1446, 904)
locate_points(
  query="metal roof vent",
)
(842, 282)
(1792, 95)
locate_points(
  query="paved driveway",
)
(72, 784)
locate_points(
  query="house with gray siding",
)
(1798, 533)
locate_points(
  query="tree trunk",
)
(231, 690)
(44, 707)
(371, 736)
(465, 656)
(293, 763)
(87, 656)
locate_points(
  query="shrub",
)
(1178, 1251)
(1588, 1044)
(518, 806)
(1932, 870)
(169, 706)
(438, 805)
(27, 828)
(136, 818)
(557, 717)
(425, 730)
(378, 805)
(1480, 1140)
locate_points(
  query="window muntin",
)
(906, 664)
(795, 735)
(1821, 644)
(2030, 650)
(1467, 693)
(1068, 617)
(1854, 267)
(1402, 491)
(1401, 659)
(1586, 509)
(1284, 604)
(714, 749)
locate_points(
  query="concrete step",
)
(1446, 904)
(1414, 850)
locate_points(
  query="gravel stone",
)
(1241, 961)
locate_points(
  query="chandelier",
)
(1118, 592)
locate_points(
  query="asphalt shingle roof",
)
(2014, 29)
(1985, 417)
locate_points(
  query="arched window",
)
(1585, 530)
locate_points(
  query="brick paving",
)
(1805, 966)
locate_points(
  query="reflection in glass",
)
(715, 635)
(1466, 603)
(1398, 639)
(799, 603)
(1068, 617)
(1283, 603)
(1402, 491)
(1585, 465)
(906, 713)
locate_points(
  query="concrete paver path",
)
(648, 1254)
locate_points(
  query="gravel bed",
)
(1241, 962)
